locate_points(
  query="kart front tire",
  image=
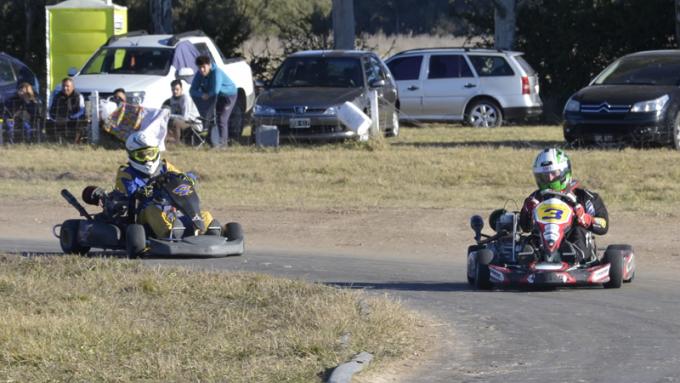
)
(482, 274)
(135, 240)
(233, 230)
(615, 259)
(68, 238)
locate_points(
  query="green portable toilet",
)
(75, 30)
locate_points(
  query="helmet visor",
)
(145, 154)
(550, 180)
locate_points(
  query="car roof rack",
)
(466, 49)
(175, 38)
(114, 38)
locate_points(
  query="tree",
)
(161, 16)
(343, 24)
(504, 23)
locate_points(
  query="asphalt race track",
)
(567, 335)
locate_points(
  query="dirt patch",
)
(403, 233)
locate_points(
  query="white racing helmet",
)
(143, 152)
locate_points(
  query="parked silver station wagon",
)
(482, 87)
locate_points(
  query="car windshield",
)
(642, 70)
(124, 60)
(329, 72)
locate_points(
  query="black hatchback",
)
(635, 100)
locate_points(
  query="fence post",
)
(375, 123)
(94, 118)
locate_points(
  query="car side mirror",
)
(377, 83)
(72, 71)
(185, 74)
(477, 224)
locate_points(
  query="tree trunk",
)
(504, 23)
(343, 24)
(677, 23)
(160, 12)
(28, 29)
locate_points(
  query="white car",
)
(145, 65)
(481, 87)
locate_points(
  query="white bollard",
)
(94, 118)
(375, 125)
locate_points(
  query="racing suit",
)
(149, 213)
(590, 215)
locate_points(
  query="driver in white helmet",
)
(552, 170)
(144, 163)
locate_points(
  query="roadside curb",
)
(343, 373)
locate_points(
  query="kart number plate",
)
(300, 123)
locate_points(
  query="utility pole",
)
(504, 23)
(343, 24)
(161, 16)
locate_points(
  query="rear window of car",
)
(491, 66)
(448, 66)
(6, 73)
(525, 65)
(406, 68)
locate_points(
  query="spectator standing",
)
(67, 112)
(214, 92)
(183, 113)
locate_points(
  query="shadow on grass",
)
(402, 286)
(515, 144)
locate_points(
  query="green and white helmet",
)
(552, 170)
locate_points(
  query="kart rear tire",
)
(615, 259)
(482, 273)
(135, 240)
(68, 238)
(233, 230)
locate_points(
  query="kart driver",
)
(552, 170)
(144, 163)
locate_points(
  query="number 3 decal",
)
(552, 213)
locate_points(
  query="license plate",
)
(604, 138)
(300, 123)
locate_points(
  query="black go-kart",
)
(115, 228)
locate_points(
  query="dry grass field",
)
(435, 166)
(73, 319)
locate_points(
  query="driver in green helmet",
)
(552, 170)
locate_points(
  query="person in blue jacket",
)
(211, 86)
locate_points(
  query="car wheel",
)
(484, 114)
(68, 238)
(676, 132)
(135, 240)
(395, 124)
(615, 259)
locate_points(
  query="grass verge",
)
(430, 167)
(78, 319)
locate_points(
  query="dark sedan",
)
(634, 100)
(303, 98)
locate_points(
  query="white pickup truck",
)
(145, 65)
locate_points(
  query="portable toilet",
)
(75, 30)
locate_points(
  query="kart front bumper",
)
(594, 275)
(197, 246)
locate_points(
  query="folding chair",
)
(208, 119)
